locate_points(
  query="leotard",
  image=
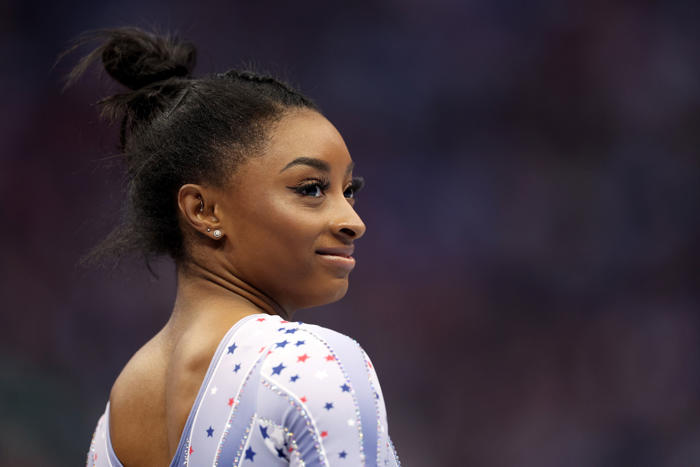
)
(280, 393)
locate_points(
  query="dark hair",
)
(175, 129)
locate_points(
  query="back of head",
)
(175, 129)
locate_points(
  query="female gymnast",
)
(249, 188)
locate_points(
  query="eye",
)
(315, 188)
(311, 189)
(354, 187)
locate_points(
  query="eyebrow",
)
(315, 163)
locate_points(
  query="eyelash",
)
(355, 185)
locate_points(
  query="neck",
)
(199, 285)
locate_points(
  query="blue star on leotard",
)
(328, 406)
(278, 369)
(232, 347)
(299, 343)
(342, 454)
(263, 430)
(291, 331)
(294, 378)
(237, 367)
(210, 432)
(282, 344)
(345, 388)
(249, 454)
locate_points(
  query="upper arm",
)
(334, 410)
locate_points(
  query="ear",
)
(198, 208)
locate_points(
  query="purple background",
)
(528, 286)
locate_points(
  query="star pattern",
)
(210, 432)
(250, 454)
(278, 369)
(294, 378)
(232, 348)
(236, 367)
(302, 358)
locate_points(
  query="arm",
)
(335, 414)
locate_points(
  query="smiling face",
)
(288, 214)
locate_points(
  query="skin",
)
(267, 261)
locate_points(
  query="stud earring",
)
(208, 229)
(217, 233)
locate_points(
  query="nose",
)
(347, 223)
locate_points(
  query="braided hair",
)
(175, 129)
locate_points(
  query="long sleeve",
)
(335, 412)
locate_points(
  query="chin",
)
(333, 292)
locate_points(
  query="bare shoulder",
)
(153, 396)
(137, 408)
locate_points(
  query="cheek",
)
(274, 249)
(279, 237)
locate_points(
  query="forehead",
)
(303, 133)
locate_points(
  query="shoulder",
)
(311, 358)
(138, 390)
(325, 388)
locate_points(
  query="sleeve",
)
(335, 414)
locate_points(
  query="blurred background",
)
(529, 285)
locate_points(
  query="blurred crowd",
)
(529, 285)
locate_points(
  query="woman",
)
(244, 183)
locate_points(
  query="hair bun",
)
(136, 58)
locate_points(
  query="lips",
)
(338, 258)
(344, 251)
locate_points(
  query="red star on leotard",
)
(302, 358)
(330, 358)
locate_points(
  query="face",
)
(289, 214)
